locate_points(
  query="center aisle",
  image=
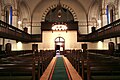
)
(59, 70)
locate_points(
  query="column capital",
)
(2, 13)
(15, 12)
(103, 11)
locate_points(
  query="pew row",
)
(94, 66)
(29, 66)
(48, 72)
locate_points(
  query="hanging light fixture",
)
(59, 26)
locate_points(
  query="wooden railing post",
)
(38, 66)
(33, 66)
(83, 69)
(88, 70)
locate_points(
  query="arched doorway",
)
(59, 45)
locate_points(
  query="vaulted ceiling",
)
(79, 7)
(84, 4)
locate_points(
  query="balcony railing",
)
(10, 32)
(109, 31)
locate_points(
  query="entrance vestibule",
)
(59, 45)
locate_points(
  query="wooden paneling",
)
(46, 26)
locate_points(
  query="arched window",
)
(59, 39)
(0, 11)
(110, 13)
(60, 44)
(8, 14)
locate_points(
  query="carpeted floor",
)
(60, 71)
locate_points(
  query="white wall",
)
(69, 36)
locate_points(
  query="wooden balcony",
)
(109, 31)
(10, 32)
(36, 38)
(47, 26)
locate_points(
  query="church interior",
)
(59, 40)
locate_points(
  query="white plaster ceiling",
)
(85, 4)
(38, 7)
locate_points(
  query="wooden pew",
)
(92, 66)
(17, 67)
(4, 54)
(116, 53)
(101, 67)
(25, 64)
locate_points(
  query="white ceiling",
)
(37, 8)
(85, 4)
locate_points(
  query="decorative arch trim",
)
(54, 6)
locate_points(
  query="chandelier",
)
(59, 26)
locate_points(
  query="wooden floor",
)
(73, 73)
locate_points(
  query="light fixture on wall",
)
(20, 24)
(59, 26)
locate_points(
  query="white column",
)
(116, 15)
(104, 17)
(15, 18)
(2, 15)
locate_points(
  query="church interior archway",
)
(59, 45)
